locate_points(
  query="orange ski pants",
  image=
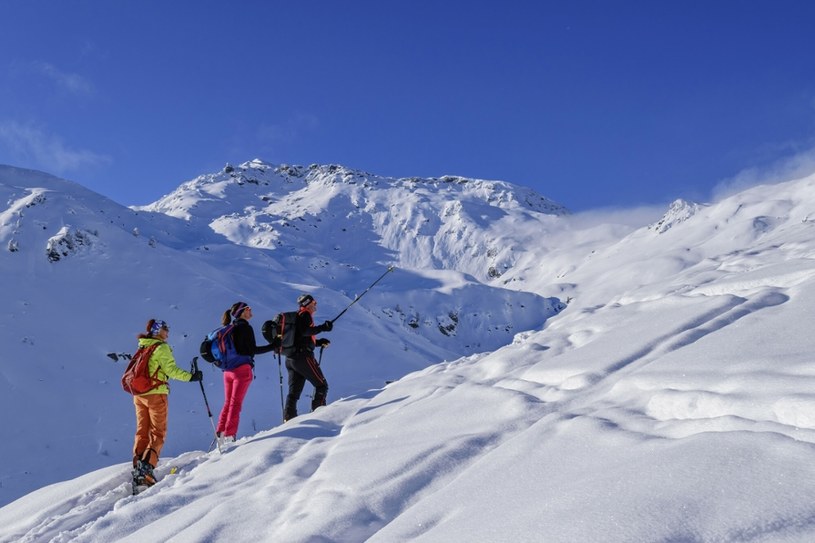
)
(151, 427)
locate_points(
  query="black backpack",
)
(280, 331)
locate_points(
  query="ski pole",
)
(209, 412)
(280, 373)
(390, 269)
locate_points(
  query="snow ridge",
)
(670, 400)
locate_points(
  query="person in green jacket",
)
(151, 407)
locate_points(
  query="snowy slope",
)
(87, 273)
(453, 223)
(672, 400)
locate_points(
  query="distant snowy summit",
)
(272, 182)
(60, 219)
(678, 212)
(474, 226)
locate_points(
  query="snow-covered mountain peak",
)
(269, 182)
(46, 216)
(679, 211)
(469, 225)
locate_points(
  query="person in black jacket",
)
(238, 378)
(302, 366)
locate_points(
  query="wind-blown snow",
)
(672, 399)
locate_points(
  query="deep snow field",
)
(604, 382)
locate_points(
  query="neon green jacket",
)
(162, 358)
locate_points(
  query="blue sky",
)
(593, 104)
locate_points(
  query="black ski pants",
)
(304, 367)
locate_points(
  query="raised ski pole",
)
(390, 269)
(209, 412)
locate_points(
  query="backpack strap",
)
(225, 337)
(154, 380)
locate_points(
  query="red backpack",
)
(136, 379)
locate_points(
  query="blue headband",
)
(157, 326)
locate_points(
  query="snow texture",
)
(553, 378)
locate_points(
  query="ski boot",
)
(143, 477)
(225, 443)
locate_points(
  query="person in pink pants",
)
(240, 372)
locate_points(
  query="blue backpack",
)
(218, 348)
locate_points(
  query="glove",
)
(197, 376)
(327, 326)
(323, 342)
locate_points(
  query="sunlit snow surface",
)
(672, 400)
